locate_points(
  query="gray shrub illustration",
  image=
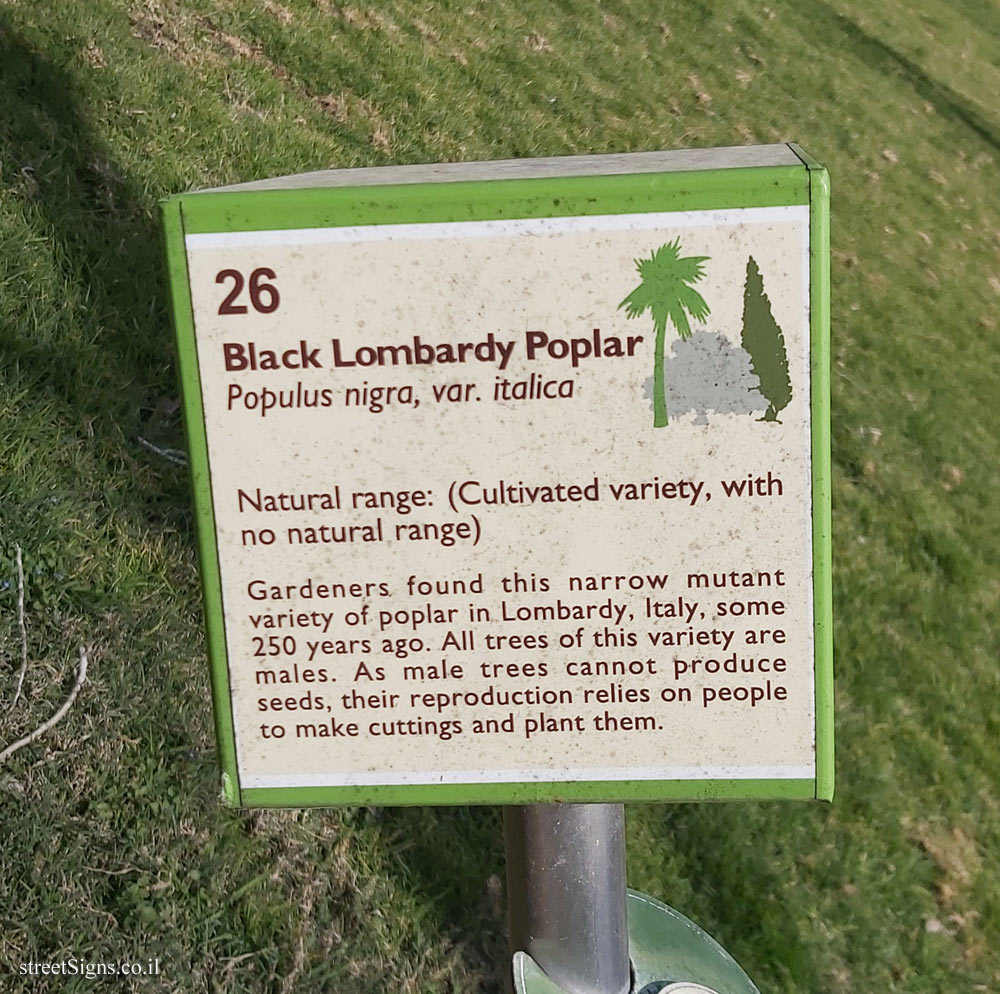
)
(710, 374)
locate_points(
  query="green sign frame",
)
(804, 183)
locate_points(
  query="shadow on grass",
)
(91, 330)
(453, 856)
(730, 864)
(873, 50)
(730, 860)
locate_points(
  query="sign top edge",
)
(673, 160)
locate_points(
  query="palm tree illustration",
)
(666, 292)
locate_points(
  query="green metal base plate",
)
(670, 955)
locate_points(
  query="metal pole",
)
(566, 893)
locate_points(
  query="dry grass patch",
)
(368, 20)
(955, 853)
(277, 11)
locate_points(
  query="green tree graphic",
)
(666, 292)
(764, 341)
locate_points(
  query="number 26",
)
(264, 297)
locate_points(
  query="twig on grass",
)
(173, 455)
(81, 676)
(236, 960)
(21, 627)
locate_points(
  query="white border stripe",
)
(488, 229)
(428, 778)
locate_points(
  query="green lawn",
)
(115, 844)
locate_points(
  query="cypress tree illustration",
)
(666, 292)
(764, 341)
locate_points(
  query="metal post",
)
(566, 893)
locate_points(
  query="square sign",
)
(512, 478)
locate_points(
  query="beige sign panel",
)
(456, 544)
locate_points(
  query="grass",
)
(116, 844)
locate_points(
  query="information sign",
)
(512, 478)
